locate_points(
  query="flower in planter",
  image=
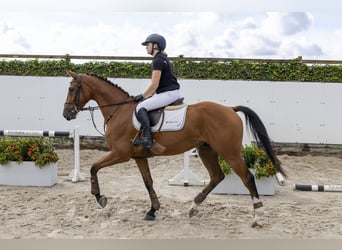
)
(38, 150)
(255, 158)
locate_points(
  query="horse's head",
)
(76, 97)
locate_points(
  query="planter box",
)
(27, 174)
(232, 184)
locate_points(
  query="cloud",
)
(12, 41)
(269, 35)
(247, 37)
(4, 28)
(255, 45)
(294, 22)
(96, 39)
(288, 24)
(301, 47)
(196, 34)
(191, 33)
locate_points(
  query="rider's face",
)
(149, 48)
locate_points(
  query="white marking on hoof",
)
(257, 223)
(257, 218)
(193, 210)
(259, 211)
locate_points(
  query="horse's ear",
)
(72, 74)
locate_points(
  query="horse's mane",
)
(109, 82)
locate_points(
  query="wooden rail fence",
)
(143, 58)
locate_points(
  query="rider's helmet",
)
(155, 38)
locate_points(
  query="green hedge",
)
(293, 70)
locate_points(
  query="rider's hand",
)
(138, 98)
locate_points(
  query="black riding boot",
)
(144, 119)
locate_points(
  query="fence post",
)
(186, 177)
(75, 174)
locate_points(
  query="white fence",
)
(75, 175)
(292, 111)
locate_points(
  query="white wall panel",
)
(291, 111)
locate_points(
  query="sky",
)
(193, 28)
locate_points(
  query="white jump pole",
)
(280, 179)
(186, 177)
(75, 175)
(318, 188)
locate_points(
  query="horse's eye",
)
(71, 89)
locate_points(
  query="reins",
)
(105, 106)
(92, 109)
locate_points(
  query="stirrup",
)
(145, 141)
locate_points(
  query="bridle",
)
(76, 101)
(77, 106)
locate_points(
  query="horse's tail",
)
(258, 131)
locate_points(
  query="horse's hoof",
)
(257, 225)
(193, 212)
(149, 217)
(102, 201)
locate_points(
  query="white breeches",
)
(159, 100)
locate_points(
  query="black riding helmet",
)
(156, 38)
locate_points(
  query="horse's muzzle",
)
(69, 114)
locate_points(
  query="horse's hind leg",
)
(247, 178)
(209, 159)
(146, 174)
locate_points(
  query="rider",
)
(163, 89)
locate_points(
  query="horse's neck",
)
(108, 97)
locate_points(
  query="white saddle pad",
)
(173, 120)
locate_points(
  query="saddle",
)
(156, 114)
(169, 118)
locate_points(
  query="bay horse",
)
(213, 129)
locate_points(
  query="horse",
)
(213, 129)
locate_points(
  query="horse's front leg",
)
(95, 189)
(107, 160)
(146, 175)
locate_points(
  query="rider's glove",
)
(138, 98)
